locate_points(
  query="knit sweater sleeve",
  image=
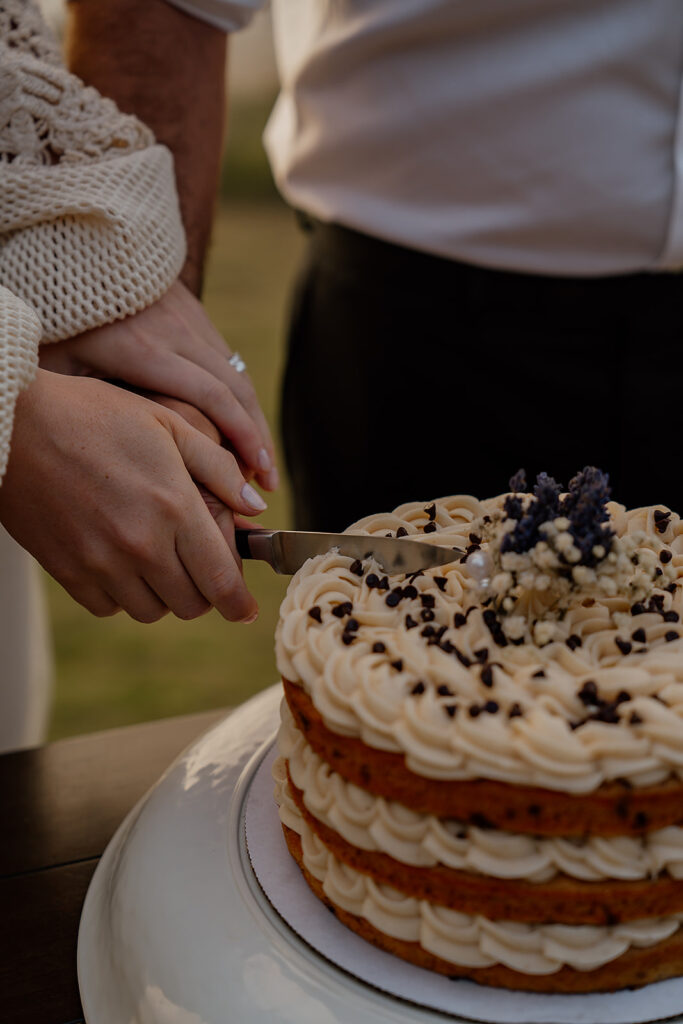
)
(90, 227)
(19, 336)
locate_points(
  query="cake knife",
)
(287, 550)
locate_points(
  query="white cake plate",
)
(176, 928)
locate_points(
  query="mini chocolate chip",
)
(635, 718)
(428, 631)
(474, 711)
(315, 613)
(348, 638)
(670, 616)
(372, 580)
(638, 608)
(459, 620)
(482, 655)
(487, 675)
(390, 534)
(356, 567)
(638, 635)
(450, 709)
(661, 526)
(394, 598)
(410, 622)
(625, 646)
(588, 694)
(345, 608)
(441, 582)
(427, 615)
(401, 532)
(661, 514)
(410, 592)
(447, 647)
(622, 697)
(444, 691)
(428, 600)
(378, 647)
(430, 528)
(539, 675)
(491, 706)
(474, 539)
(573, 642)
(398, 665)
(418, 688)
(665, 556)
(431, 511)
(351, 626)
(462, 658)
(671, 635)
(515, 711)
(656, 603)
(672, 588)
(658, 572)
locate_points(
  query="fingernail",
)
(264, 460)
(273, 479)
(251, 618)
(252, 498)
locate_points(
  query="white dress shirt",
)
(533, 135)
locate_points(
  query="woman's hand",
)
(173, 348)
(100, 488)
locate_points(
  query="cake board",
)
(177, 929)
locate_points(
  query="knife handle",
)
(255, 543)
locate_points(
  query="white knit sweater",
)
(90, 228)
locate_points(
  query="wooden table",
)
(59, 806)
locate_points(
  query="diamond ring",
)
(237, 362)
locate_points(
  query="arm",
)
(169, 69)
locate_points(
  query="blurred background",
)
(113, 672)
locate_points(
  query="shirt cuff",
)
(227, 15)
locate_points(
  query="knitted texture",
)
(19, 337)
(90, 227)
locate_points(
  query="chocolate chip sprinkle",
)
(352, 626)
(428, 632)
(491, 706)
(401, 532)
(316, 613)
(665, 556)
(398, 664)
(441, 582)
(356, 567)
(394, 597)
(430, 528)
(635, 718)
(372, 580)
(540, 674)
(588, 694)
(348, 638)
(418, 688)
(515, 711)
(378, 647)
(638, 608)
(487, 675)
(670, 616)
(474, 711)
(450, 709)
(444, 691)
(459, 620)
(462, 658)
(345, 608)
(671, 635)
(427, 615)
(431, 512)
(638, 635)
(410, 622)
(574, 641)
(625, 646)
(428, 600)
(410, 592)
(482, 655)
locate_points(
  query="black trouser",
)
(410, 377)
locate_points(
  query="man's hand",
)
(173, 348)
(100, 489)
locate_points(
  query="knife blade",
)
(287, 550)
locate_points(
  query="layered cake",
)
(481, 765)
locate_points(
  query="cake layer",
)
(422, 840)
(614, 809)
(559, 901)
(426, 670)
(631, 969)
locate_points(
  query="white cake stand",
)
(177, 930)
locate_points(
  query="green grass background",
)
(113, 672)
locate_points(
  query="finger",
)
(189, 413)
(224, 519)
(93, 598)
(137, 599)
(176, 590)
(213, 568)
(216, 468)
